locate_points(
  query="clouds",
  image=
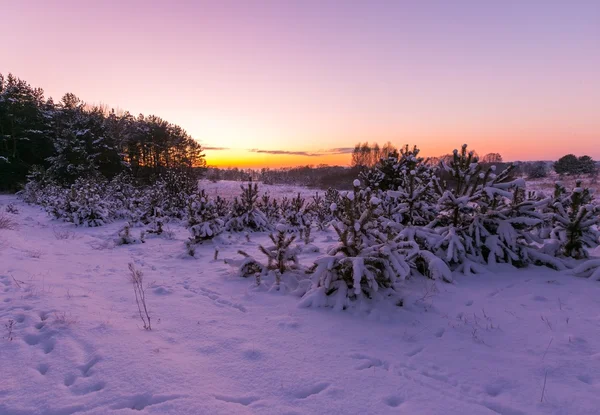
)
(319, 153)
(284, 152)
(215, 148)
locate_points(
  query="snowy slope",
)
(484, 345)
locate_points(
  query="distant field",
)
(229, 189)
(547, 185)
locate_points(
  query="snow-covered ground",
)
(229, 189)
(509, 342)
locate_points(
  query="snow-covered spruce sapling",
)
(575, 222)
(363, 264)
(203, 220)
(281, 256)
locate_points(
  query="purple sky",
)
(518, 77)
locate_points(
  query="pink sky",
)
(516, 77)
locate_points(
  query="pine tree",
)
(575, 220)
(281, 255)
(245, 215)
(363, 264)
(320, 211)
(204, 222)
(297, 218)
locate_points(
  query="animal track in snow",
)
(311, 390)
(585, 379)
(501, 409)
(393, 401)
(243, 400)
(369, 362)
(45, 340)
(139, 402)
(469, 303)
(70, 379)
(215, 297)
(43, 368)
(497, 387)
(86, 369)
(87, 389)
(415, 351)
(440, 332)
(252, 354)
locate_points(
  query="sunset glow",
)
(284, 83)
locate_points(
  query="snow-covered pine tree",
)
(575, 221)
(363, 265)
(125, 237)
(332, 197)
(121, 193)
(204, 222)
(222, 206)
(297, 218)
(178, 186)
(149, 204)
(157, 222)
(411, 187)
(245, 215)
(281, 256)
(320, 211)
(89, 206)
(270, 207)
(511, 220)
(462, 199)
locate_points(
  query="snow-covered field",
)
(71, 341)
(229, 189)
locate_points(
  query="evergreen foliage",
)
(71, 139)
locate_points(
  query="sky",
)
(299, 82)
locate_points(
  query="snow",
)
(487, 344)
(228, 189)
(375, 200)
(356, 183)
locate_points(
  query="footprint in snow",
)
(394, 401)
(369, 362)
(142, 401)
(415, 351)
(585, 379)
(311, 390)
(43, 368)
(243, 400)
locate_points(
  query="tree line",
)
(69, 139)
(366, 155)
